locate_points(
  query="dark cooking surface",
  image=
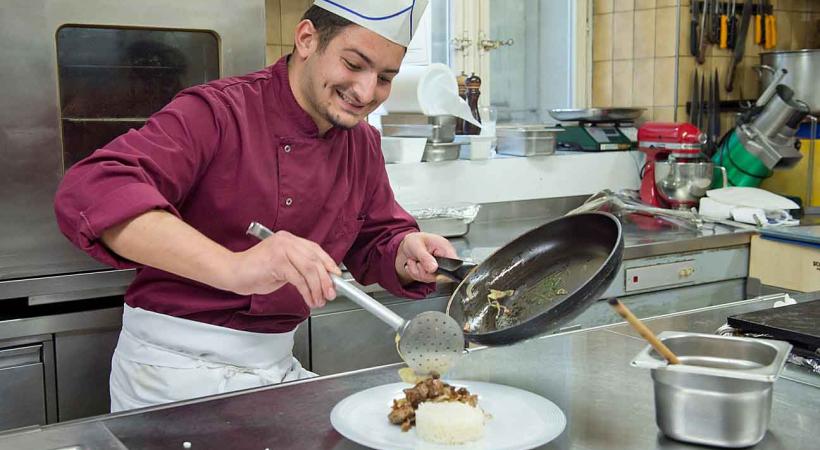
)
(799, 324)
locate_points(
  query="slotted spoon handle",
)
(345, 287)
(367, 302)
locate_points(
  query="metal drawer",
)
(352, 340)
(22, 387)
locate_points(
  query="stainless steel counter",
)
(608, 404)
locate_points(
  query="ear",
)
(305, 39)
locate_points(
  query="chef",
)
(212, 309)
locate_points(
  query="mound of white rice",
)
(449, 422)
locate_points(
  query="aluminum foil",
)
(465, 212)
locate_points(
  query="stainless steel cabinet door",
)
(22, 387)
(352, 340)
(83, 367)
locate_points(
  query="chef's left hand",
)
(414, 260)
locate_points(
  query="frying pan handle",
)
(345, 287)
(454, 269)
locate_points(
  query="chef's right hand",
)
(286, 258)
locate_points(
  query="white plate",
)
(520, 419)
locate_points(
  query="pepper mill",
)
(473, 84)
(462, 92)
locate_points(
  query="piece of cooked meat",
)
(401, 412)
(431, 389)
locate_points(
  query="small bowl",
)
(398, 150)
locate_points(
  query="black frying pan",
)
(538, 282)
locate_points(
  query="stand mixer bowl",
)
(682, 183)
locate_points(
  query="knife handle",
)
(724, 31)
(771, 32)
(758, 28)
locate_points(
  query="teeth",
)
(347, 99)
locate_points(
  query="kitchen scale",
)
(597, 129)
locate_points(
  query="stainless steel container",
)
(721, 394)
(526, 140)
(445, 151)
(683, 183)
(437, 129)
(804, 71)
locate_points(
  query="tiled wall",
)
(282, 17)
(634, 53)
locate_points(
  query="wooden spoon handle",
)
(644, 331)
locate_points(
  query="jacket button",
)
(288, 201)
(287, 148)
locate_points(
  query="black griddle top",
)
(798, 324)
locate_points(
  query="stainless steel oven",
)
(74, 74)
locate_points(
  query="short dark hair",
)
(327, 24)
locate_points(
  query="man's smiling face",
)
(350, 77)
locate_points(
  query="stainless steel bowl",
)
(721, 394)
(682, 184)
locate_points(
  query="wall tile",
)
(664, 3)
(273, 22)
(622, 76)
(623, 5)
(602, 7)
(644, 4)
(686, 67)
(272, 53)
(747, 83)
(783, 5)
(643, 82)
(664, 84)
(805, 5)
(292, 11)
(622, 35)
(665, 32)
(814, 39)
(801, 30)
(682, 115)
(644, 32)
(664, 114)
(602, 84)
(285, 49)
(602, 37)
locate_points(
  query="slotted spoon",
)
(430, 342)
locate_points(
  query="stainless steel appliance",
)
(74, 74)
(803, 71)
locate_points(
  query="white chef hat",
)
(396, 20)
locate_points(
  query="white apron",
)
(162, 359)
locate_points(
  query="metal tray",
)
(526, 140)
(597, 114)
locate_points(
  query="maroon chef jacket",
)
(227, 153)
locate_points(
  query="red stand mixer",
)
(676, 173)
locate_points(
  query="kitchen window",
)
(530, 54)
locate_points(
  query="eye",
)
(385, 80)
(351, 66)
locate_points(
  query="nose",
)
(365, 88)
